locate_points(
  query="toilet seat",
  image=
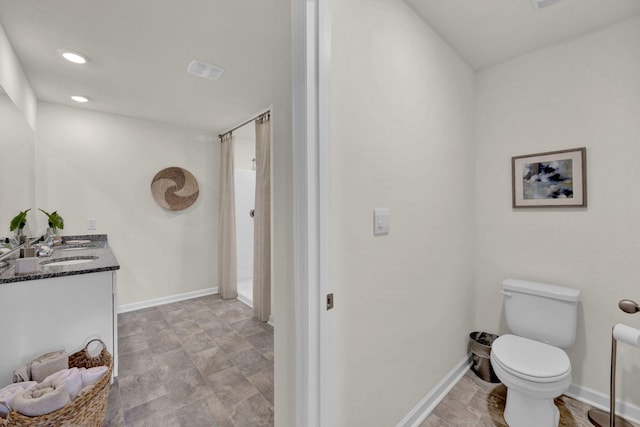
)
(530, 360)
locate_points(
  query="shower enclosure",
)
(245, 183)
(245, 192)
(244, 225)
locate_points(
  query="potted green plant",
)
(18, 222)
(55, 221)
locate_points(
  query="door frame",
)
(311, 37)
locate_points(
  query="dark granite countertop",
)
(73, 247)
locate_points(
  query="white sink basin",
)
(69, 261)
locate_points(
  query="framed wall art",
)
(552, 179)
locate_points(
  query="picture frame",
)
(551, 179)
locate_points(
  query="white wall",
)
(282, 285)
(584, 92)
(402, 138)
(97, 165)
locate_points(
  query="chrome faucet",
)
(14, 249)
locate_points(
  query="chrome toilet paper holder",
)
(629, 306)
(599, 417)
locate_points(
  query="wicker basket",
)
(89, 408)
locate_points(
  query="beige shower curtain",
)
(262, 222)
(227, 256)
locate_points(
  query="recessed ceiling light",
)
(80, 98)
(538, 4)
(74, 57)
(202, 69)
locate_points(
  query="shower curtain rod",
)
(242, 124)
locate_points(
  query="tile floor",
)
(206, 362)
(476, 403)
(200, 362)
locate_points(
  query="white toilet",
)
(530, 363)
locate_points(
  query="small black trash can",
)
(480, 345)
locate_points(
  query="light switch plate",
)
(381, 221)
(91, 224)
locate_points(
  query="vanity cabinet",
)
(43, 315)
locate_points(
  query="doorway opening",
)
(245, 190)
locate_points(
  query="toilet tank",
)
(542, 312)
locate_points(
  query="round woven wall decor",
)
(174, 188)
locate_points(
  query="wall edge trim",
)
(124, 308)
(424, 407)
(246, 301)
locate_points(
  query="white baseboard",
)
(420, 412)
(246, 301)
(585, 395)
(599, 400)
(271, 320)
(124, 308)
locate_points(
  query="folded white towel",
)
(7, 394)
(48, 364)
(72, 377)
(23, 373)
(92, 375)
(41, 399)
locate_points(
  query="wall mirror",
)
(17, 167)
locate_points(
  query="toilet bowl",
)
(534, 374)
(530, 362)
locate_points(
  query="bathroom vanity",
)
(70, 300)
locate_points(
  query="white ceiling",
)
(488, 32)
(139, 51)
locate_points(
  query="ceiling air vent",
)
(202, 69)
(539, 4)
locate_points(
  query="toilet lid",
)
(528, 358)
